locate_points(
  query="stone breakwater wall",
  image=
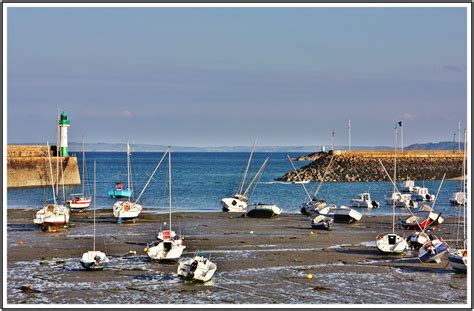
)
(364, 165)
(28, 166)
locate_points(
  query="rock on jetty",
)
(363, 165)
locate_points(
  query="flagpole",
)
(349, 134)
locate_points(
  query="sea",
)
(201, 179)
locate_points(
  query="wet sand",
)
(259, 261)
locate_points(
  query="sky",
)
(224, 76)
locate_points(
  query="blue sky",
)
(223, 76)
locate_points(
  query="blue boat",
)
(119, 191)
(432, 251)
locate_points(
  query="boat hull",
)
(94, 260)
(166, 250)
(391, 244)
(458, 262)
(120, 193)
(233, 205)
(263, 211)
(197, 269)
(346, 215)
(432, 253)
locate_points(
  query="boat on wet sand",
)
(392, 243)
(171, 245)
(94, 260)
(457, 257)
(80, 201)
(322, 222)
(128, 210)
(344, 214)
(197, 268)
(263, 210)
(52, 215)
(433, 250)
(238, 203)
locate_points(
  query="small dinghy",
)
(458, 260)
(94, 260)
(364, 200)
(262, 210)
(317, 207)
(197, 269)
(391, 243)
(433, 250)
(322, 222)
(344, 214)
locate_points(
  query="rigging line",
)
(154, 171)
(395, 187)
(241, 188)
(299, 178)
(256, 183)
(324, 176)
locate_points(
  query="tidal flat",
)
(260, 261)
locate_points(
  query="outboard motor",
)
(428, 197)
(374, 204)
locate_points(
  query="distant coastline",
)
(111, 147)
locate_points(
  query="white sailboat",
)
(197, 268)
(171, 246)
(314, 206)
(458, 257)
(52, 215)
(79, 201)
(128, 210)
(262, 210)
(94, 259)
(238, 203)
(392, 243)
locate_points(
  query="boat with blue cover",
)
(119, 191)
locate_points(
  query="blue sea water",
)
(201, 179)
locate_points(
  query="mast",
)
(128, 166)
(94, 206)
(169, 179)
(349, 128)
(51, 172)
(394, 180)
(464, 190)
(83, 167)
(62, 181)
(256, 175)
(247, 168)
(57, 154)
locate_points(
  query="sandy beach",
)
(259, 261)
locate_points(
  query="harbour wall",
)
(364, 165)
(28, 166)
